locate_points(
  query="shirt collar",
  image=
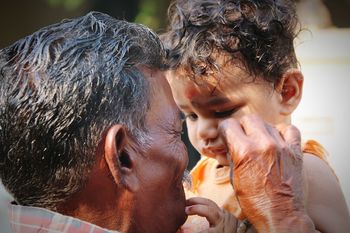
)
(32, 219)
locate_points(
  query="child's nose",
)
(207, 130)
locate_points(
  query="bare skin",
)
(127, 182)
(220, 221)
(250, 121)
(267, 179)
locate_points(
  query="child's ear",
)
(121, 164)
(290, 89)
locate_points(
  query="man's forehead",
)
(162, 105)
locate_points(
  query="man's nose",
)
(207, 130)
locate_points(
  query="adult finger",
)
(275, 134)
(292, 138)
(232, 133)
(260, 133)
(290, 134)
(231, 126)
(253, 125)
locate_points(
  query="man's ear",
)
(120, 163)
(290, 89)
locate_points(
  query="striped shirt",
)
(25, 219)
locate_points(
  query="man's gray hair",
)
(61, 88)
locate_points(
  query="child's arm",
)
(325, 201)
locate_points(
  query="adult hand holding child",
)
(267, 173)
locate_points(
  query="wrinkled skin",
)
(230, 95)
(267, 173)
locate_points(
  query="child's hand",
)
(220, 221)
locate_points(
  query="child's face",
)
(207, 103)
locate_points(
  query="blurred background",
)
(323, 51)
(20, 18)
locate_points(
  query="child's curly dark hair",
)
(258, 32)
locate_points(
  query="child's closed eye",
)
(226, 113)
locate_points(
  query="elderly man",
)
(89, 132)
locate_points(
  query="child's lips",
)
(218, 153)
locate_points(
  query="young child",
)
(233, 59)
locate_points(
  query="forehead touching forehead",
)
(160, 93)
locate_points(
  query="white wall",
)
(324, 113)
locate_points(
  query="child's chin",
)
(222, 162)
(220, 158)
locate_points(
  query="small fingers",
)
(228, 224)
(200, 200)
(204, 208)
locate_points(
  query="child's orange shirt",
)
(213, 182)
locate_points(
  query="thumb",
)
(290, 134)
(231, 132)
